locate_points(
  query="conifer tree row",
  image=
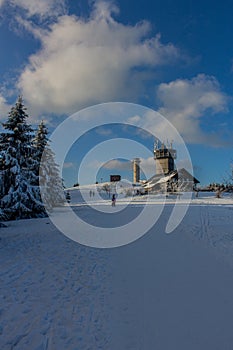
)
(50, 181)
(20, 156)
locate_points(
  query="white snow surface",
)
(161, 292)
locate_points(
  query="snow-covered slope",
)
(52, 290)
(160, 292)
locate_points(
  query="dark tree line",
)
(23, 170)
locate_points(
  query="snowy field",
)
(161, 292)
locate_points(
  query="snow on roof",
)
(165, 178)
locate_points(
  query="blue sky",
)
(175, 57)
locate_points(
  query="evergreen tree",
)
(3, 182)
(41, 139)
(52, 190)
(20, 196)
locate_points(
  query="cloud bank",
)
(93, 60)
(42, 9)
(184, 102)
(147, 165)
(86, 61)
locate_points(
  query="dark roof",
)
(184, 174)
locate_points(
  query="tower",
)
(136, 169)
(164, 158)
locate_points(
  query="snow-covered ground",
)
(160, 292)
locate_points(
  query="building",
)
(176, 181)
(164, 159)
(167, 178)
(136, 170)
(115, 178)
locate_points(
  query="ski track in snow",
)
(214, 228)
(52, 292)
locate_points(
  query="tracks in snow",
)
(214, 226)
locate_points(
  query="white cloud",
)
(111, 164)
(104, 131)
(83, 62)
(68, 165)
(41, 8)
(103, 10)
(185, 102)
(148, 165)
(118, 164)
(4, 108)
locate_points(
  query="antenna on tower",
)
(156, 144)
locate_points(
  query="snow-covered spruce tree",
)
(3, 183)
(52, 190)
(20, 196)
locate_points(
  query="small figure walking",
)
(68, 197)
(113, 200)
